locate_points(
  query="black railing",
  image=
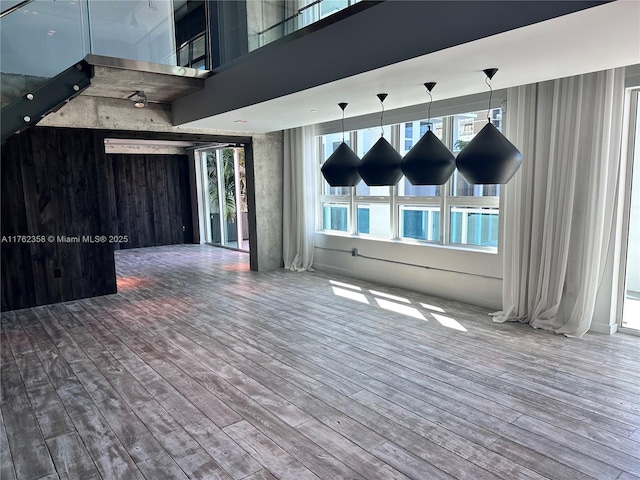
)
(17, 6)
(291, 17)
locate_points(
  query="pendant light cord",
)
(429, 111)
(343, 125)
(381, 115)
(488, 82)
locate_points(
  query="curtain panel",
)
(299, 198)
(559, 208)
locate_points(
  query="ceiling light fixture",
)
(380, 166)
(139, 98)
(239, 121)
(489, 157)
(341, 168)
(429, 162)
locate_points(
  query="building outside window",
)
(336, 208)
(456, 213)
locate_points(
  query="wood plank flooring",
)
(199, 368)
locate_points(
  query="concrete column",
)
(265, 163)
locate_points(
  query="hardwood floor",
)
(199, 368)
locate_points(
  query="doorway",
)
(225, 192)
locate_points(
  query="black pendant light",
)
(429, 162)
(489, 157)
(341, 168)
(380, 167)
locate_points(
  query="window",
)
(335, 217)
(474, 226)
(328, 145)
(408, 136)
(420, 222)
(456, 213)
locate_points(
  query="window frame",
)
(632, 113)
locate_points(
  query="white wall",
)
(454, 273)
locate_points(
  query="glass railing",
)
(42, 38)
(283, 21)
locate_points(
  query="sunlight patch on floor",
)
(398, 308)
(397, 304)
(358, 297)
(391, 297)
(432, 307)
(448, 322)
(346, 285)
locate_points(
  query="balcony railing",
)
(300, 18)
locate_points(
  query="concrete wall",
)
(87, 111)
(143, 149)
(265, 200)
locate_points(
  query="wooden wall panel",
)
(17, 272)
(185, 201)
(152, 199)
(54, 185)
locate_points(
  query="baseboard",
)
(605, 329)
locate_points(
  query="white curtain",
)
(559, 208)
(299, 198)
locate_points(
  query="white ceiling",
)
(598, 38)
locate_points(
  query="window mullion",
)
(445, 190)
(320, 185)
(352, 211)
(393, 218)
(353, 141)
(393, 193)
(493, 202)
(405, 200)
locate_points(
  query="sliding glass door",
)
(226, 192)
(631, 307)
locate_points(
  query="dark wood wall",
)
(151, 199)
(54, 185)
(58, 184)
